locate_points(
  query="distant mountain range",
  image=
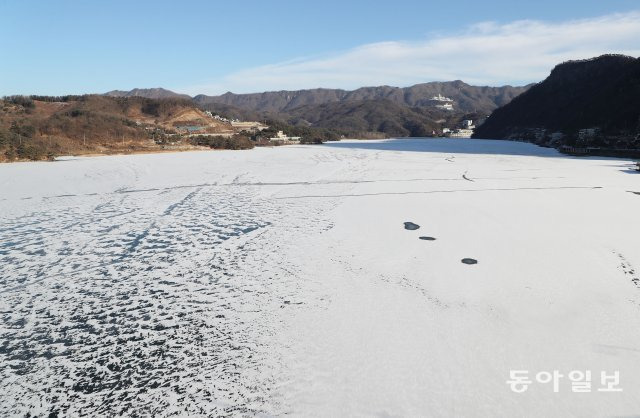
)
(391, 111)
(591, 103)
(154, 93)
(466, 98)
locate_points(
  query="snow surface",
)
(283, 281)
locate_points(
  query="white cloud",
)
(486, 53)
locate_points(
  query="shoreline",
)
(134, 152)
(194, 148)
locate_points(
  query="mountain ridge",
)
(583, 103)
(388, 110)
(469, 98)
(148, 93)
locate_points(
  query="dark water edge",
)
(600, 152)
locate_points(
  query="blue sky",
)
(62, 47)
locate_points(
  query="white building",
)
(461, 133)
(445, 106)
(281, 138)
(440, 98)
(465, 132)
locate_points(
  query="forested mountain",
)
(154, 93)
(587, 103)
(362, 116)
(466, 98)
(389, 111)
(368, 111)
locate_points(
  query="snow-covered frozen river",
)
(283, 281)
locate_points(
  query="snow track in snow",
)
(123, 303)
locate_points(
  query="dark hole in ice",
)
(411, 226)
(428, 238)
(469, 261)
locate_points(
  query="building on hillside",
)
(440, 98)
(249, 126)
(441, 102)
(215, 116)
(445, 106)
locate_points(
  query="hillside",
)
(367, 111)
(387, 111)
(42, 127)
(382, 115)
(590, 103)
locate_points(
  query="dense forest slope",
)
(465, 98)
(591, 103)
(383, 116)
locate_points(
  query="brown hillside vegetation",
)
(38, 128)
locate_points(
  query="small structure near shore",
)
(282, 139)
(465, 132)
